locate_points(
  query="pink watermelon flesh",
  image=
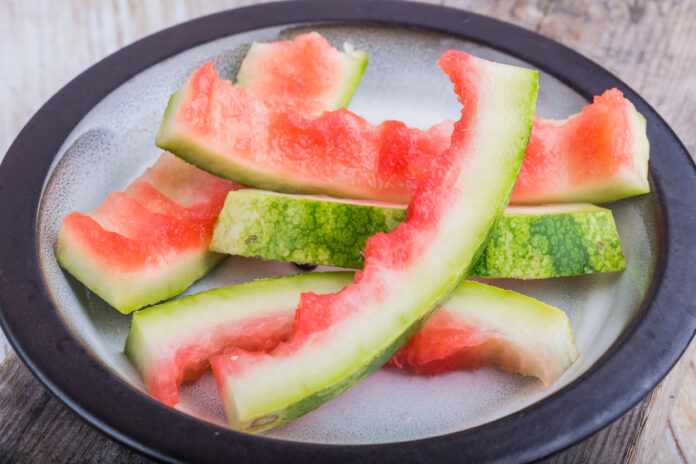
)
(445, 344)
(143, 236)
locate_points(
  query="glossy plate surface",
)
(630, 327)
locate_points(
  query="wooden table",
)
(651, 45)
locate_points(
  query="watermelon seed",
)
(251, 239)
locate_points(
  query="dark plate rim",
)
(626, 373)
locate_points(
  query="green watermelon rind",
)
(527, 243)
(132, 291)
(552, 241)
(254, 400)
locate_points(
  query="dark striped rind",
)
(527, 243)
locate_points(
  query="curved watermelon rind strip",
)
(330, 361)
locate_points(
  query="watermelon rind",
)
(171, 196)
(175, 138)
(195, 151)
(535, 242)
(524, 335)
(354, 64)
(128, 292)
(631, 182)
(160, 334)
(561, 240)
(280, 387)
(627, 182)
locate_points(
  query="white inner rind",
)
(554, 208)
(383, 204)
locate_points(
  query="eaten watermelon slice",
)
(482, 326)
(305, 75)
(599, 155)
(171, 343)
(524, 244)
(341, 338)
(150, 242)
(228, 132)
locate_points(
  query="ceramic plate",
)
(97, 134)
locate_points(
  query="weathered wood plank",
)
(666, 399)
(37, 428)
(682, 420)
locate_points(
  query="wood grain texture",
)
(655, 434)
(649, 44)
(37, 428)
(679, 438)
